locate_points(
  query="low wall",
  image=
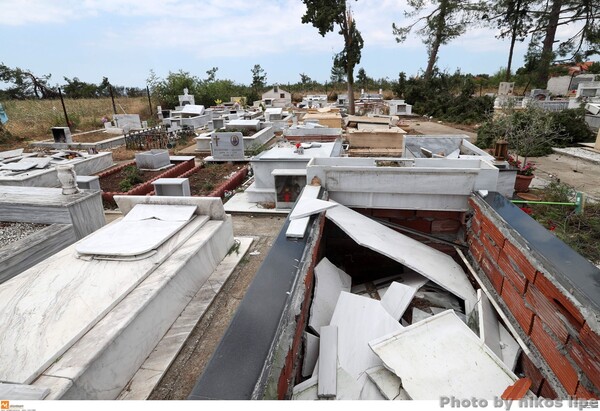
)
(378, 138)
(547, 289)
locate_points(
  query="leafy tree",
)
(259, 82)
(362, 78)
(76, 88)
(24, 84)
(324, 15)
(447, 21)
(167, 90)
(337, 74)
(212, 74)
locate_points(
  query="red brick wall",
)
(546, 313)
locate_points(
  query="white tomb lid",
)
(143, 229)
(192, 109)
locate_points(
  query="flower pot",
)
(522, 183)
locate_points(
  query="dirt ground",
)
(181, 377)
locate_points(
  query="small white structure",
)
(186, 98)
(506, 89)
(588, 89)
(314, 101)
(276, 97)
(399, 108)
(280, 173)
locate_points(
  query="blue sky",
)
(125, 39)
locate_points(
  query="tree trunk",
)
(437, 40)
(351, 106)
(546, 58)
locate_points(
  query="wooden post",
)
(64, 108)
(149, 102)
(112, 96)
(597, 145)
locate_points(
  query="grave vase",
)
(67, 178)
(522, 183)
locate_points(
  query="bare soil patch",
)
(211, 176)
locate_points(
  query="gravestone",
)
(127, 121)
(88, 182)
(174, 187)
(62, 135)
(218, 123)
(506, 88)
(227, 146)
(153, 159)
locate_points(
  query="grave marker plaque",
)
(227, 146)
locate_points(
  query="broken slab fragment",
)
(360, 320)
(442, 357)
(419, 315)
(429, 262)
(311, 354)
(306, 207)
(397, 298)
(327, 383)
(388, 383)
(330, 281)
(489, 327)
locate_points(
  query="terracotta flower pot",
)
(522, 183)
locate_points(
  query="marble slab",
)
(489, 327)
(397, 298)
(370, 392)
(297, 228)
(328, 344)
(103, 361)
(510, 348)
(135, 234)
(209, 206)
(441, 356)
(311, 354)
(18, 166)
(155, 366)
(433, 264)
(360, 320)
(330, 281)
(10, 153)
(22, 392)
(347, 388)
(419, 315)
(160, 212)
(309, 206)
(51, 305)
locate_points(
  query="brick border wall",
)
(549, 316)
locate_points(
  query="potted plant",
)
(525, 174)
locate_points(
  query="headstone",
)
(227, 146)
(506, 88)
(62, 135)
(88, 182)
(177, 187)
(127, 121)
(153, 159)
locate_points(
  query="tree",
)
(259, 78)
(25, 84)
(337, 73)
(447, 21)
(76, 88)
(212, 74)
(363, 79)
(324, 15)
(514, 19)
(166, 91)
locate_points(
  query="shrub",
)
(132, 178)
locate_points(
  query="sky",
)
(125, 39)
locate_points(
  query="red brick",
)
(516, 305)
(532, 372)
(490, 246)
(475, 228)
(393, 213)
(547, 312)
(488, 227)
(590, 340)
(582, 393)
(511, 270)
(588, 364)
(492, 273)
(440, 215)
(445, 226)
(423, 226)
(520, 260)
(547, 391)
(476, 249)
(474, 206)
(444, 248)
(557, 362)
(566, 307)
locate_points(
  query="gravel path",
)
(11, 232)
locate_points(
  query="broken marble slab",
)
(370, 392)
(139, 232)
(445, 301)
(442, 357)
(330, 281)
(309, 206)
(419, 315)
(387, 383)
(489, 327)
(328, 344)
(360, 320)
(22, 392)
(18, 166)
(311, 354)
(510, 348)
(10, 153)
(397, 299)
(427, 261)
(408, 277)
(297, 228)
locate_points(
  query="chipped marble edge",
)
(147, 377)
(211, 206)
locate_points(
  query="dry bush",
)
(32, 119)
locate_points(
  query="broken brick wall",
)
(555, 325)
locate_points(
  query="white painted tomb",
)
(84, 321)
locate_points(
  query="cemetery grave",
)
(206, 179)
